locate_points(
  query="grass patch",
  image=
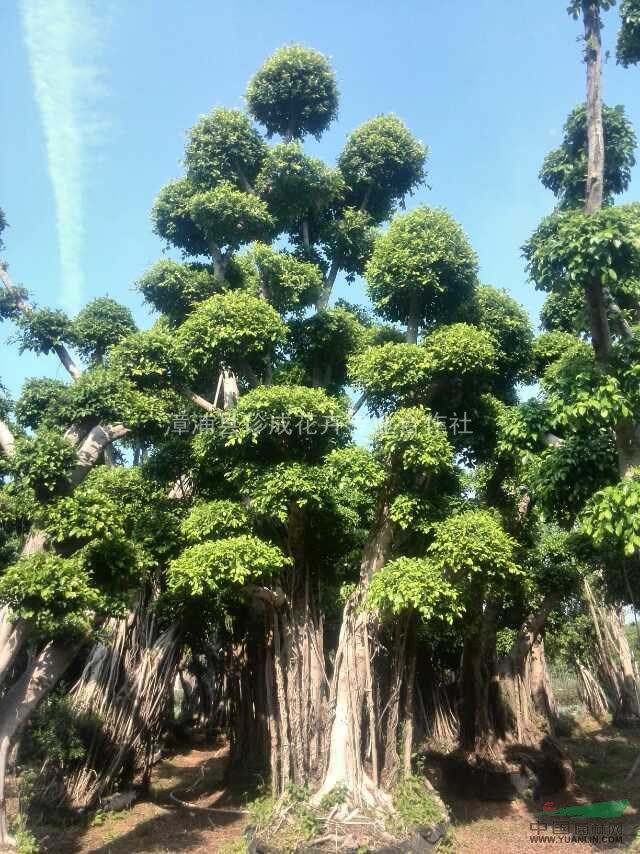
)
(414, 804)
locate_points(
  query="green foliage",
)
(223, 146)
(216, 571)
(472, 550)
(286, 282)
(564, 170)
(101, 324)
(172, 220)
(414, 804)
(289, 421)
(391, 374)
(571, 248)
(296, 186)
(42, 329)
(53, 594)
(44, 462)
(229, 328)
(422, 266)
(174, 289)
(611, 516)
(294, 93)
(412, 583)
(509, 325)
(213, 519)
(381, 162)
(459, 351)
(228, 217)
(350, 238)
(563, 478)
(410, 440)
(321, 345)
(43, 401)
(149, 359)
(628, 45)
(55, 733)
(11, 301)
(335, 797)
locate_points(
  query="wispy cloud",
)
(65, 40)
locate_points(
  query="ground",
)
(159, 825)
(602, 756)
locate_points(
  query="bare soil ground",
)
(159, 825)
(602, 756)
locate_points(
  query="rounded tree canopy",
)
(223, 146)
(230, 218)
(228, 328)
(173, 288)
(381, 162)
(98, 326)
(569, 248)
(294, 93)
(413, 441)
(393, 374)
(423, 266)
(296, 186)
(287, 283)
(509, 324)
(284, 422)
(172, 220)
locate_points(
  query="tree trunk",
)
(16, 707)
(350, 680)
(595, 132)
(412, 322)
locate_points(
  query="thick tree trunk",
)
(350, 681)
(16, 707)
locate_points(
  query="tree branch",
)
(7, 440)
(551, 440)
(276, 598)
(91, 448)
(59, 349)
(328, 284)
(358, 404)
(191, 395)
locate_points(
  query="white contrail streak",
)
(64, 41)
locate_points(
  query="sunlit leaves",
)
(173, 288)
(294, 93)
(422, 266)
(613, 516)
(52, 593)
(216, 569)
(413, 583)
(209, 520)
(101, 324)
(172, 220)
(571, 248)
(411, 440)
(228, 328)
(229, 217)
(381, 162)
(223, 146)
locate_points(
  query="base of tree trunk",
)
(355, 837)
(517, 771)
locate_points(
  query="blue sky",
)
(97, 97)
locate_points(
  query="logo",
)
(602, 809)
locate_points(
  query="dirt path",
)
(159, 825)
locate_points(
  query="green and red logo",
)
(602, 809)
